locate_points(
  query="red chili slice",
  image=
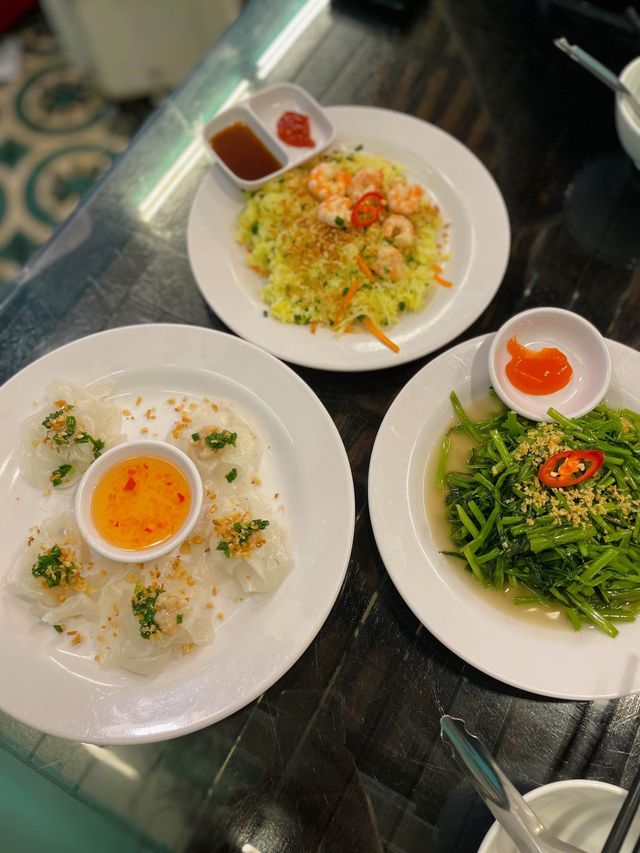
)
(570, 467)
(294, 129)
(367, 209)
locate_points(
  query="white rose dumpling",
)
(248, 545)
(155, 613)
(224, 448)
(58, 574)
(68, 432)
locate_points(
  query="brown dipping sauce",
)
(242, 151)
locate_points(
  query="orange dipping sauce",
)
(537, 371)
(140, 502)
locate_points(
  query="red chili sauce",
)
(246, 155)
(537, 371)
(294, 129)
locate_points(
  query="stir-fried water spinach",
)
(576, 548)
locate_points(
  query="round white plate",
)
(521, 648)
(61, 689)
(456, 180)
(578, 811)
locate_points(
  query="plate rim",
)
(381, 358)
(295, 651)
(398, 575)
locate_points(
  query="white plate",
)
(457, 182)
(524, 649)
(62, 690)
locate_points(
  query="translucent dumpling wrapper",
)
(248, 545)
(58, 574)
(67, 433)
(154, 613)
(224, 448)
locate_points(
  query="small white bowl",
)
(261, 113)
(581, 342)
(102, 464)
(578, 811)
(627, 122)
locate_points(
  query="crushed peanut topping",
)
(568, 506)
(239, 534)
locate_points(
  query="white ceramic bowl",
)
(627, 122)
(261, 113)
(578, 811)
(578, 339)
(98, 468)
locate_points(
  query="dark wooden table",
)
(343, 753)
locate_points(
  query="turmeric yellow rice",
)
(332, 256)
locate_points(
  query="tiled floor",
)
(57, 136)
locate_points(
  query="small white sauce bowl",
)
(98, 469)
(578, 339)
(578, 811)
(627, 122)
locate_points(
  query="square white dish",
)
(261, 113)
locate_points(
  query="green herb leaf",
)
(223, 546)
(218, 440)
(53, 416)
(52, 568)
(195, 436)
(143, 606)
(85, 438)
(58, 628)
(59, 474)
(179, 618)
(231, 475)
(339, 221)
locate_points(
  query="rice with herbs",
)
(312, 266)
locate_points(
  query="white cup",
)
(627, 122)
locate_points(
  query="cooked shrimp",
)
(388, 262)
(335, 211)
(405, 198)
(365, 181)
(327, 179)
(399, 229)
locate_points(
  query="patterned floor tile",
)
(58, 135)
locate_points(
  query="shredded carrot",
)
(258, 270)
(349, 329)
(314, 326)
(364, 266)
(371, 327)
(346, 300)
(443, 281)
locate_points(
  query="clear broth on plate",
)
(457, 458)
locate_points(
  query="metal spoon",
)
(604, 74)
(501, 798)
